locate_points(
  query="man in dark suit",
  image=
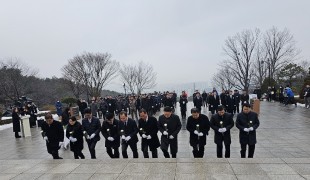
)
(230, 103)
(214, 102)
(237, 101)
(183, 105)
(198, 102)
(247, 122)
(198, 125)
(221, 123)
(245, 99)
(110, 131)
(129, 130)
(53, 133)
(92, 127)
(148, 131)
(169, 125)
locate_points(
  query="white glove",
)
(196, 132)
(123, 137)
(251, 129)
(87, 137)
(60, 144)
(224, 130)
(45, 138)
(73, 140)
(92, 136)
(110, 138)
(165, 133)
(144, 136)
(149, 137)
(246, 130)
(200, 134)
(127, 138)
(171, 137)
(221, 130)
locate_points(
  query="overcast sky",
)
(182, 39)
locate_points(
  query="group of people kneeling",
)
(123, 132)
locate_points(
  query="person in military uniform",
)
(74, 133)
(92, 127)
(247, 122)
(148, 131)
(221, 123)
(169, 125)
(198, 126)
(128, 131)
(110, 131)
(53, 133)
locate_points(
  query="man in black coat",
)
(204, 98)
(110, 131)
(245, 99)
(128, 131)
(214, 102)
(169, 125)
(223, 98)
(198, 125)
(237, 101)
(183, 105)
(111, 104)
(247, 122)
(53, 134)
(230, 103)
(148, 131)
(198, 101)
(221, 123)
(92, 127)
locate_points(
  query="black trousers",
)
(91, 146)
(166, 154)
(198, 151)
(183, 113)
(110, 152)
(219, 150)
(237, 110)
(173, 144)
(251, 150)
(17, 134)
(78, 154)
(133, 147)
(154, 153)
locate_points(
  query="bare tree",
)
(223, 79)
(280, 48)
(240, 50)
(146, 77)
(260, 67)
(128, 74)
(15, 75)
(92, 70)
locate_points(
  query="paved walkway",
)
(282, 152)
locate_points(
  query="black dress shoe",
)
(17, 136)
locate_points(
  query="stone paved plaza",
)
(282, 152)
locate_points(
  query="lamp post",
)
(124, 85)
(269, 71)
